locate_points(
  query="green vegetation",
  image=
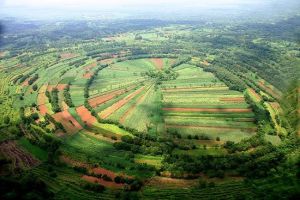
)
(151, 110)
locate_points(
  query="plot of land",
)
(69, 122)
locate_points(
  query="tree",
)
(6, 120)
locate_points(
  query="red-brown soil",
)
(25, 83)
(257, 96)
(59, 87)
(233, 99)
(68, 121)
(68, 55)
(20, 159)
(268, 89)
(43, 109)
(109, 184)
(90, 66)
(94, 102)
(87, 75)
(158, 63)
(218, 110)
(96, 171)
(107, 112)
(85, 115)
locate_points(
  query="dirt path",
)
(213, 110)
(110, 110)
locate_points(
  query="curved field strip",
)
(269, 89)
(253, 129)
(232, 99)
(96, 101)
(107, 112)
(85, 115)
(256, 97)
(196, 88)
(68, 121)
(68, 55)
(109, 184)
(59, 87)
(101, 137)
(158, 63)
(131, 109)
(213, 110)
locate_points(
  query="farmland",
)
(157, 112)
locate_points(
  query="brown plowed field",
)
(269, 89)
(213, 110)
(96, 171)
(232, 99)
(109, 184)
(254, 94)
(94, 102)
(68, 55)
(158, 63)
(87, 75)
(59, 87)
(43, 109)
(68, 121)
(108, 111)
(90, 66)
(20, 159)
(85, 115)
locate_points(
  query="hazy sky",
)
(35, 9)
(110, 3)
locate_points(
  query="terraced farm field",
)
(148, 110)
(202, 105)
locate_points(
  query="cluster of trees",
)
(27, 186)
(57, 125)
(165, 75)
(90, 81)
(33, 79)
(78, 63)
(181, 61)
(23, 77)
(53, 99)
(256, 164)
(231, 80)
(67, 96)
